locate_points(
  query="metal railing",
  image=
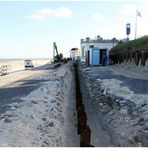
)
(4, 69)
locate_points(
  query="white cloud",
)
(128, 10)
(97, 16)
(41, 14)
(44, 12)
(63, 12)
(36, 17)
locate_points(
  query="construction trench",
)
(74, 108)
(83, 128)
(83, 113)
(105, 120)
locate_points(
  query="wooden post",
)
(142, 58)
(136, 58)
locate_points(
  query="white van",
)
(28, 64)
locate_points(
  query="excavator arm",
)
(55, 48)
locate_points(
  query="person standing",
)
(104, 59)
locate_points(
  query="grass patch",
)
(130, 46)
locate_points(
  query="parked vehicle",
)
(28, 64)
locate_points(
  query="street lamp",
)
(128, 29)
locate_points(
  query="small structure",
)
(94, 55)
(97, 43)
(75, 53)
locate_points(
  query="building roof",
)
(99, 39)
(74, 49)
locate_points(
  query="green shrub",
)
(129, 46)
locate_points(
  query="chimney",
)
(87, 39)
(82, 40)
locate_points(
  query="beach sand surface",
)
(18, 64)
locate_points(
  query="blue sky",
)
(29, 28)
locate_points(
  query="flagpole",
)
(136, 26)
(53, 52)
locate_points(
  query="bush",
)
(129, 46)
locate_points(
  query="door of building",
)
(95, 56)
(102, 51)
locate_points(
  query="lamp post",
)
(128, 30)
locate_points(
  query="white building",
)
(96, 43)
(75, 53)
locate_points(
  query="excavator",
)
(56, 58)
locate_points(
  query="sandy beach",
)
(18, 64)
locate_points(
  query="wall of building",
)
(85, 47)
(99, 42)
(75, 54)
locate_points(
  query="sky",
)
(29, 28)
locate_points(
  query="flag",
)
(138, 13)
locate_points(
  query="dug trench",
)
(83, 128)
(111, 120)
(90, 130)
